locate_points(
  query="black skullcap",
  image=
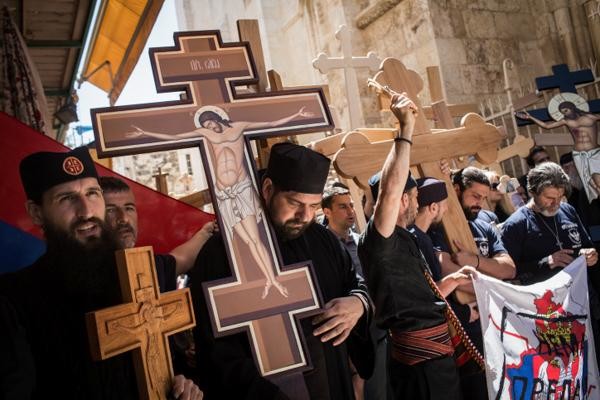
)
(42, 170)
(566, 158)
(297, 168)
(431, 190)
(374, 184)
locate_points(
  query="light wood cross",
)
(359, 159)
(348, 63)
(436, 92)
(262, 297)
(143, 324)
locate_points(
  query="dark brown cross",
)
(142, 324)
(261, 297)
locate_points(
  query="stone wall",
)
(468, 39)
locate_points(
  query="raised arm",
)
(279, 122)
(395, 168)
(545, 125)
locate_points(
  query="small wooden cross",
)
(143, 324)
(349, 63)
(262, 297)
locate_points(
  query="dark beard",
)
(87, 272)
(287, 230)
(471, 215)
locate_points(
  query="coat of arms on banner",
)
(538, 339)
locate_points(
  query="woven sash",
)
(468, 359)
(417, 346)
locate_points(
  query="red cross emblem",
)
(72, 166)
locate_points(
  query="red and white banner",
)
(538, 339)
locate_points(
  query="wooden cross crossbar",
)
(359, 159)
(348, 63)
(262, 297)
(142, 324)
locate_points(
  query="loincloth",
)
(587, 163)
(238, 202)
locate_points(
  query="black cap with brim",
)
(431, 190)
(297, 168)
(44, 170)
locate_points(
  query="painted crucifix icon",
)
(221, 116)
(580, 116)
(237, 199)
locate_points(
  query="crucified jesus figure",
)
(237, 200)
(586, 154)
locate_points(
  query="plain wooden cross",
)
(359, 159)
(208, 70)
(349, 64)
(142, 324)
(436, 92)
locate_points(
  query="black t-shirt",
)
(426, 247)
(530, 238)
(394, 268)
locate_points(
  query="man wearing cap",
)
(405, 302)
(433, 204)
(47, 302)
(291, 191)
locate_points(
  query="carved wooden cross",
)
(222, 122)
(359, 159)
(142, 324)
(325, 64)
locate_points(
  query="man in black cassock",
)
(421, 365)
(44, 350)
(291, 191)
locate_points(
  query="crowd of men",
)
(389, 294)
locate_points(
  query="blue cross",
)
(565, 80)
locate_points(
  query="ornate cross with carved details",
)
(142, 324)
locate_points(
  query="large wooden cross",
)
(142, 324)
(262, 297)
(359, 159)
(348, 63)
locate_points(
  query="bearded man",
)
(44, 346)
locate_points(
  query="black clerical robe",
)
(226, 365)
(44, 338)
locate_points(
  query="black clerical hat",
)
(297, 168)
(374, 184)
(431, 190)
(42, 170)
